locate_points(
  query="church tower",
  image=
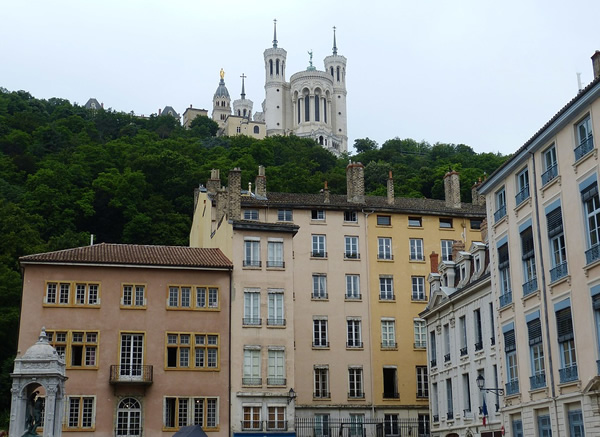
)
(221, 102)
(276, 89)
(335, 65)
(243, 107)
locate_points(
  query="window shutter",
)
(509, 341)
(589, 192)
(527, 244)
(555, 224)
(534, 328)
(564, 324)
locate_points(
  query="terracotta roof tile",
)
(133, 254)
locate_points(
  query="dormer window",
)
(463, 272)
(477, 263)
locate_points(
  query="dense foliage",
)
(67, 172)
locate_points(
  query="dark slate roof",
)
(222, 90)
(376, 203)
(133, 254)
(169, 111)
(265, 227)
(88, 104)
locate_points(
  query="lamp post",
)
(481, 381)
(291, 395)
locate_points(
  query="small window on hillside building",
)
(415, 222)
(446, 223)
(384, 220)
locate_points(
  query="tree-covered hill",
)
(67, 172)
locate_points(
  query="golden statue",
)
(222, 73)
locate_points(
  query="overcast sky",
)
(484, 73)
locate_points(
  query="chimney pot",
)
(260, 183)
(596, 63)
(355, 183)
(434, 261)
(390, 189)
(452, 189)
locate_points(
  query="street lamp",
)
(291, 395)
(481, 381)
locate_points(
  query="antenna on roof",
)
(579, 88)
(91, 239)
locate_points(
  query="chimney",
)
(214, 183)
(159, 111)
(477, 199)
(326, 193)
(452, 189)
(102, 105)
(434, 261)
(596, 63)
(355, 182)
(260, 183)
(234, 188)
(457, 246)
(390, 189)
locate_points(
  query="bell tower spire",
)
(243, 76)
(334, 43)
(275, 33)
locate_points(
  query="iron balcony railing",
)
(354, 344)
(321, 394)
(385, 255)
(592, 254)
(356, 296)
(320, 295)
(492, 340)
(436, 418)
(464, 351)
(251, 263)
(549, 174)
(500, 213)
(275, 322)
(450, 415)
(320, 344)
(584, 148)
(506, 298)
(251, 381)
(446, 358)
(276, 264)
(350, 427)
(356, 395)
(479, 345)
(389, 345)
(420, 344)
(522, 195)
(433, 363)
(418, 297)
(530, 286)
(391, 395)
(560, 271)
(272, 380)
(131, 374)
(422, 394)
(537, 381)
(252, 321)
(512, 387)
(351, 255)
(387, 296)
(568, 374)
(318, 254)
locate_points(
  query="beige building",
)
(543, 211)
(144, 332)
(190, 113)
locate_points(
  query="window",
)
(416, 249)
(558, 251)
(566, 343)
(250, 214)
(415, 222)
(350, 217)
(129, 418)
(276, 315)
(276, 375)
(385, 248)
(585, 140)
(390, 382)
(134, 296)
(433, 349)
(522, 186)
(536, 353)
(353, 287)
(576, 428)
(317, 214)
(60, 293)
(251, 253)
(384, 220)
(420, 331)
(357, 425)
(252, 307)
(319, 286)
(251, 375)
(192, 351)
(252, 418)
(528, 257)
(390, 425)
(81, 413)
(386, 288)
(517, 427)
(321, 382)
(284, 215)
(351, 247)
(462, 325)
(478, 329)
(510, 348)
(466, 385)
(500, 204)
(320, 333)
(447, 250)
(544, 426)
(550, 165)
(449, 402)
(388, 333)
(492, 330)
(355, 382)
(131, 358)
(423, 424)
(476, 223)
(322, 425)
(353, 334)
(418, 287)
(591, 203)
(319, 248)
(180, 297)
(446, 223)
(276, 419)
(80, 348)
(422, 382)
(504, 276)
(446, 332)
(186, 297)
(256, 130)
(275, 254)
(184, 411)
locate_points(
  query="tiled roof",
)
(377, 203)
(133, 254)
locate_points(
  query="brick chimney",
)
(326, 198)
(234, 188)
(214, 183)
(477, 199)
(390, 189)
(452, 189)
(260, 183)
(434, 261)
(596, 63)
(159, 111)
(355, 182)
(457, 246)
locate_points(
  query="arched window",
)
(306, 108)
(298, 111)
(271, 67)
(321, 140)
(324, 109)
(317, 114)
(338, 74)
(331, 71)
(256, 130)
(239, 113)
(129, 418)
(277, 67)
(244, 112)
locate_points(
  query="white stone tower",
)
(243, 107)
(335, 65)
(221, 102)
(276, 88)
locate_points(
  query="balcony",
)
(433, 363)
(584, 148)
(318, 254)
(251, 321)
(321, 394)
(446, 358)
(506, 299)
(500, 213)
(436, 418)
(549, 174)
(418, 297)
(354, 345)
(320, 296)
(356, 395)
(276, 264)
(387, 296)
(276, 322)
(479, 345)
(464, 351)
(529, 287)
(351, 255)
(131, 374)
(251, 263)
(280, 425)
(356, 296)
(568, 374)
(492, 341)
(320, 344)
(276, 381)
(252, 425)
(420, 344)
(592, 254)
(522, 195)
(560, 271)
(537, 381)
(512, 387)
(251, 381)
(385, 256)
(391, 395)
(389, 345)
(450, 415)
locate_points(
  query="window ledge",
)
(590, 266)
(506, 307)
(556, 180)
(415, 227)
(387, 300)
(566, 278)
(575, 383)
(521, 205)
(385, 260)
(584, 158)
(352, 299)
(504, 219)
(251, 268)
(531, 295)
(318, 222)
(446, 229)
(417, 261)
(350, 224)
(280, 269)
(318, 257)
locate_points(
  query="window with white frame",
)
(522, 186)
(536, 353)
(416, 249)
(251, 372)
(276, 316)
(558, 251)
(432, 349)
(420, 333)
(384, 220)
(386, 288)
(449, 400)
(422, 382)
(500, 198)
(321, 377)
(353, 286)
(252, 306)
(566, 343)
(388, 333)
(251, 252)
(319, 290)
(390, 425)
(418, 287)
(320, 338)
(510, 349)
(354, 339)
(322, 426)
(351, 247)
(134, 296)
(275, 253)
(384, 248)
(357, 425)
(446, 332)
(319, 247)
(528, 257)
(350, 217)
(478, 329)
(276, 371)
(550, 165)
(447, 250)
(585, 139)
(355, 382)
(591, 202)
(466, 385)
(504, 275)
(284, 215)
(251, 214)
(317, 214)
